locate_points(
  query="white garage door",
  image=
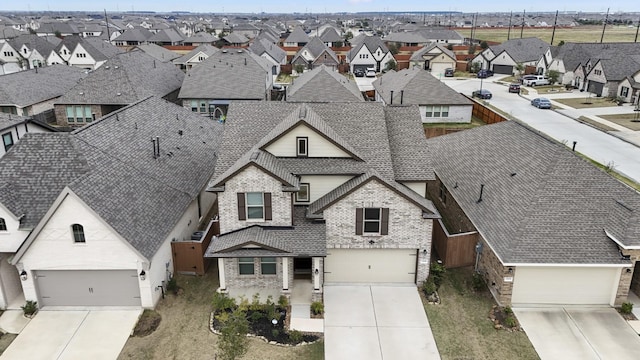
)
(437, 69)
(561, 285)
(370, 265)
(88, 287)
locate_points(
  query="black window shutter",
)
(359, 218)
(267, 206)
(242, 210)
(384, 222)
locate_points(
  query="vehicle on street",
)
(537, 80)
(371, 73)
(358, 73)
(483, 74)
(541, 103)
(482, 94)
(526, 77)
(448, 72)
(514, 88)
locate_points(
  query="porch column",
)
(316, 275)
(223, 284)
(285, 273)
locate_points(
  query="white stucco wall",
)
(420, 187)
(18, 132)
(320, 185)
(318, 146)
(457, 114)
(82, 62)
(11, 239)
(10, 287)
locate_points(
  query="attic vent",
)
(239, 51)
(116, 67)
(303, 112)
(118, 94)
(224, 51)
(81, 93)
(107, 67)
(254, 156)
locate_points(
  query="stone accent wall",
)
(61, 114)
(253, 179)
(235, 280)
(494, 273)
(634, 282)
(407, 228)
(623, 287)
(453, 217)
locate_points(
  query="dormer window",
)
(302, 149)
(78, 233)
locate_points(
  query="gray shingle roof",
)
(306, 238)
(315, 47)
(201, 38)
(228, 74)
(33, 42)
(110, 166)
(206, 49)
(618, 68)
(323, 85)
(522, 50)
(263, 160)
(417, 56)
(99, 49)
(297, 36)
(261, 46)
(235, 38)
(541, 202)
(158, 52)
(573, 54)
(330, 34)
(372, 43)
(416, 87)
(133, 75)
(134, 35)
(167, 35)
(26, 88)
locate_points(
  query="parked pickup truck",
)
(537, 80)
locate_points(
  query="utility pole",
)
(637, 28)
(107, 20)
(524, 12)
(509, 31)
(555, 22)
(604, 26)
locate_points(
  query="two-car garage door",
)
(88, 287)
(565, 285)
(370, 266)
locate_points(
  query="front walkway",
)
(301, 308)
(376, 322)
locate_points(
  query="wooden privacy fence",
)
(486, 114)
(455, 250)
(188, 256)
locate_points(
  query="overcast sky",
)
(289, 6)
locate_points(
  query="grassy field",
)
(576, 34)
(462, 328)
(184, 330)
(586, 103)
(625, 120)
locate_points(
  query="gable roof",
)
(617, 68)
(99, 49)
(573, 54)
(202, 37)
(416, 87)
(166, 35)
(235, 38)
(330, 34)
(316, 47)
(26, 88)
(522, 50)
(134, 35)
(297, 36)
(125, 79)
(228, 74)
(158, 52)
(541, 202)
(372, 43)
(418, 55)
(33, 42)
(10, 120)
(206, 49)
(322, 84)
(110, 166)
(261, 46)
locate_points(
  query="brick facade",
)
(61, 114)
(235, 280)
(494, 272)
(453, 217)
(253, 179)
(634, 282)
(407, 228)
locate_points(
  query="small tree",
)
(391, 65)
(553, 76)
(520, 68)
(57, 34)
(338, 44)
(484, 45)
(233, 342)
(393, 48)
(475, 66)
(472, 49)
(561, 43)
(299, 68)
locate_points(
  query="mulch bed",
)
(499, 316)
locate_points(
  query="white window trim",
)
(246, 206)
(365, 221)
(253, 263)
(308, 198)
(304, 139)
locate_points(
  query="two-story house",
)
(13, 127)
(369, 52)
(311, 194)
(508, 56)
(316, 53)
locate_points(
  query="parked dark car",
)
(483, 74)
(358, 73)
(541, 103)
(514, 88)
(448, 72)
(482, 94)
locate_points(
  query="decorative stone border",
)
(213, 330)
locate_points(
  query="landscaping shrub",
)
(283, 302)
(436, 273)
(30, 307)
(255, 303)
(429, 287)
(317, 307)
(477, 282)
(626, 308)
(172, 285)
(508, 310)
(233, 342)
(510, 321)
(222, 302)
(295, 336)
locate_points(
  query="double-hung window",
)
(7, 141)
(245, 266)
(371, 221)
(255, 205)
(268, 265)
(303, 194)
(79, 114)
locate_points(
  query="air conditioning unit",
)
(197, 235)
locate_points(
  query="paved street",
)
(594, 143)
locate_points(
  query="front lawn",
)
(587, 102)
(461, 325)
(625, 120)
(184, 332)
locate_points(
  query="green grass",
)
(596, 124)
(313, 351)
(462, 328)
(550, 89)
(576, 34)
(624, 120)
(587, 102)
(611, 170)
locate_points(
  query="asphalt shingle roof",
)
(541, 203)
(297, 36)
(159, 52)
(26, 88)
(522, 50)
(206, 49)
(261, 46)
(323, 85)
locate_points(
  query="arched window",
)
(78, 233)
(3, 225)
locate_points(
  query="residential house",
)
(195, 56)
(13, 128)
(311, 194)
(225, 76)
(61, 29)
(158, 52)
(423, 37)
(629, 89)
(607, 74)
(90, 53)
(247, 30)
(438, 103)
(24, 93)
(122, 80)
(331, 37)
(10, 59)
(323, 84)
(76, 207)
(314, 54)
(270, 51)
(235, 40)
(166, 37)
(369, 52)
(541, 239)
(511, 54)
(297, 38)
(131, 37)
(36, 51)
(200, 38)
(433, 57)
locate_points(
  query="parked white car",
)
(537, 80)
(371, 73)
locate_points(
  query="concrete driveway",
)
(376, 322)
(94, 335)
(579, 333)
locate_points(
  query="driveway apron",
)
(376, 322)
